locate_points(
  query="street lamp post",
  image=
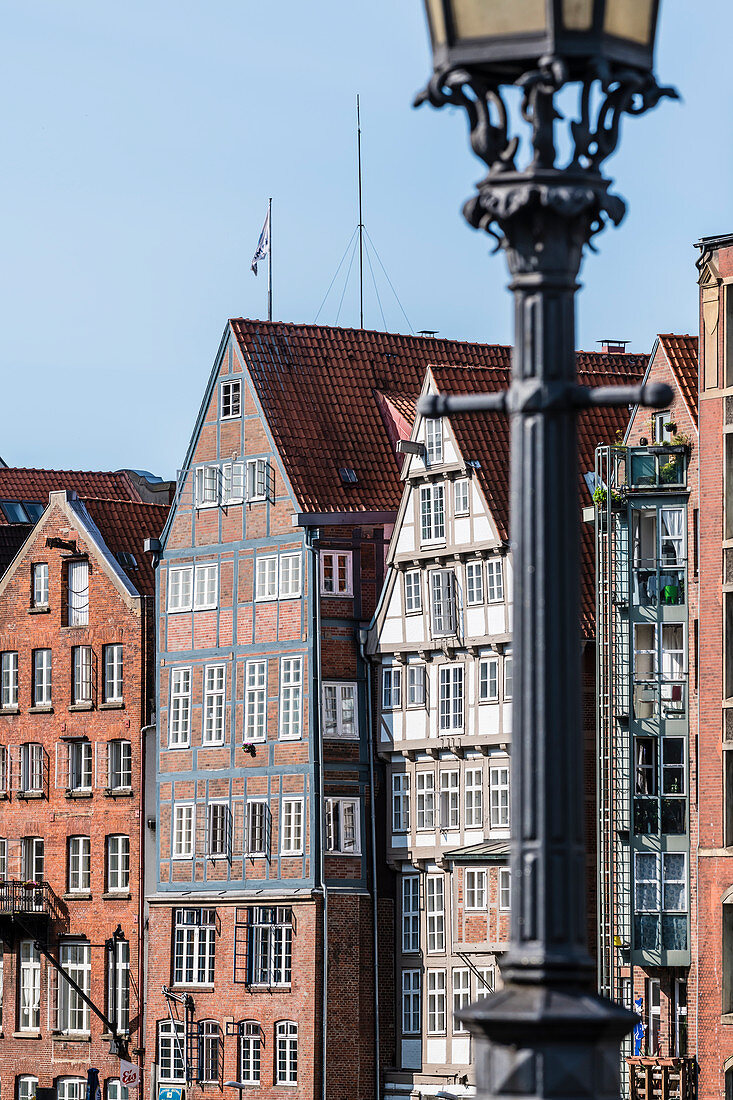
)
(546, 1034)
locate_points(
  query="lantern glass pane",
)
(577, 15)
(630, 19)
(495, 18)
(436, 17)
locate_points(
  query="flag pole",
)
(269, 265)
(361, 219)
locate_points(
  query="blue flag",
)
(639, 1029)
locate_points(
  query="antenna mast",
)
(361, 220)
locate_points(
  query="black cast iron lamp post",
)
(546, 1034)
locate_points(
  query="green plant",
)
(669, 470)
(681, 440)
(600, 497)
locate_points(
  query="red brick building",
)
(76, 690)
(715, 730)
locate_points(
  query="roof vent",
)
(613, 347)
(428, 332)
(348, 476)
(127, 560)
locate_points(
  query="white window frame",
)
(32, 768)
(209, 1039)
(179, 719)
(250, 1052)
(343, 826)
(120, 768)
(118, 863)
(450, 799)
(410, 914)
(436, 1002)
(485, 981)
(9, 667)
(291, 698)
(206, 594)
(256, 808)
(473, 812)
(433, 440)
(451, 699)
(333, 696)
(286, 1053)
(462, 497)
(474, 894)
(232, 483)
(180, 588)
(417, 680)
(114, 669)
(71, 1088)
(42, 677)
(505, 888)
(400, 802)
(494, 580)
(425, 800)
(488, 680)
(461, 990)
(171, 1051)
(413, 592)
(81, 678)
(499, 796)
(508, 675)
(208, 482)
(194, 946)
(411, 1006)
(333, 556)
(27, 1085)
(79, 855)
(265, 578)
(183, 832)
(432, 514)
(39, 584)
(232, 387)
(391, 687)
(77, 576)
(474, 583)
(217, 831)
(3, 857)
(292, 827)
(255, 701)
(215, 680)
(33, 858)
(118, 984)
(71, 1009)
(290, 576)
(258, 480)
(443, 603)
(435, 910)
(29, 986)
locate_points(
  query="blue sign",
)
(639, 1029)
(170, 1094)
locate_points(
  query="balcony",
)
(26, 900)
(661, 1078)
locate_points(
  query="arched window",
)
(286, 1053)
(116, 1090)
(209, 1044)
(71, 1088)
(250, 1052)
(171, 1046)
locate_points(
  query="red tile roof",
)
(682, 355)
(34, 485)
(320, 390)
(124, 526)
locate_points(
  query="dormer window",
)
(434, 441)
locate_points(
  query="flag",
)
(263, 244)
(639, 1029)
(129, 1074)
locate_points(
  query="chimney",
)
(613, 347)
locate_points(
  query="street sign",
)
(170, 1094)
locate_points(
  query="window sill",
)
(337, 596)
(118, 792)
(77, 895)
(63, 1037)
(36, 1034)
(9, 710)
(727, 1019)
(30, 796)
(73, 707)
(113, 704)
(40, 709)
(77, 794)
(39, 610)
(116, 895)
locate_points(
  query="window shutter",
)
(268, 832)
(226, 494)
(270, 474)
(229, 827)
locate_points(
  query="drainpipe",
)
(373, 829)
(315, 710)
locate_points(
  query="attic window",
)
(348, 476)
(17, 511)
(127, 560)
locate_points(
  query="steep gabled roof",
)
(124, 525)
(330, 396)
(17, 483)
(484, 439)
(682, 355)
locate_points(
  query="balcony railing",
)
(25, 899)
(661, 1078)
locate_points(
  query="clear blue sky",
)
(142, 140)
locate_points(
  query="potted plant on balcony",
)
(600, 496)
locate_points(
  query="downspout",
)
(141, 926)
(373, 829)
(312, 536)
